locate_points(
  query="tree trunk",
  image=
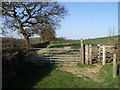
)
(23, 32)
(27, 40)
(42, 35)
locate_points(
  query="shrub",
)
(40, 45)
(13, 51)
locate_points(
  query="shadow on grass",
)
(28, 76)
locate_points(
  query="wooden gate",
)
(59, 56)
(94, 54)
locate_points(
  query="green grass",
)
(106, 73)
(76, 43)
(86, 65)
(62, 79)
(28, 75)
(72, 44)
(32, 76)
(102, 41)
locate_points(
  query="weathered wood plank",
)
(104, 56)
(86, 54)
(90, 54)
(82, 52)
(114, 66)
(99, 52)
(62, 57)
(52, 49)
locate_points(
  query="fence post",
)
(118, 71)
(114, 66)
(99, 52)
(90, 54)
(86, 54)
(104, 56)
(82, 52)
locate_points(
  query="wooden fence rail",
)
(58, 56)
(88, 52)
(91, 54)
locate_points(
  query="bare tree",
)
(25, 16)
(115, 41)
(111, 34)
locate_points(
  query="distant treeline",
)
(56, 39)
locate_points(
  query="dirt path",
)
(85, 72)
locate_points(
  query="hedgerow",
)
(13, 51)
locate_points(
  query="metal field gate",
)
(58, 56)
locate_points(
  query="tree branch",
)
(16, 26)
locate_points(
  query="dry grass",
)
(86, 72)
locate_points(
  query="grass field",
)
(76, 43)
(32, 76)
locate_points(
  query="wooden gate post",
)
(104, 56)
(114, 66)
(86, 54)
(90, 54)
(118, 70)
(82, 52)
(99, 52)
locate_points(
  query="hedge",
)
(40, 45)
(13, 51)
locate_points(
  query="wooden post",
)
(82, 52)
(114, 66)
(90, 54)
(98, 52)
(119, 69)
(104, 56)
(86, 54)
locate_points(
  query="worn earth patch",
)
(85, 72)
